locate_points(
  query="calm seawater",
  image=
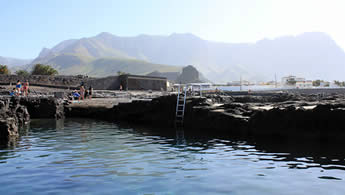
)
(246, 88)
(79, 156)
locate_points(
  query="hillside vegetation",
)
(72, 64)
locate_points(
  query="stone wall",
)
(106, 83)
(136, 82)
(44, 80)
(129, 82)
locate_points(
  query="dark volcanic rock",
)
(8, 128)
(17, 111)
(158, 112)
(12, 115)
(44, 107)
(89, 112)
(322, 122)
(275, 116)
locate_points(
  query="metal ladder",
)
(180, 105)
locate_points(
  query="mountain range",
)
(312, 55)
(11, 62)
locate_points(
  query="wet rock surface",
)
(12, 115)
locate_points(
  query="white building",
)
(287, 81)
(304, 84)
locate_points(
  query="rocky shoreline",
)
(277, 115)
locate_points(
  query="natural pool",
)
(82, 156)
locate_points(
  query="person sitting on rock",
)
(76, 94)
(13, 92)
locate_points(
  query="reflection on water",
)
(86, 156)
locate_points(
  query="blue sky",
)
(28, 26)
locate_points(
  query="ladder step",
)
(180, 107)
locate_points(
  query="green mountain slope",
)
(74, 64)
(106, 66)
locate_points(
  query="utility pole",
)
(240, 82)
(275, 78)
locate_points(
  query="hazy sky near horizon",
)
(28, 26)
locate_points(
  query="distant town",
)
(291, 81)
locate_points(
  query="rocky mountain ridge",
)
(313, 55)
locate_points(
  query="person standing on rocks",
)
(82, 92)
(19, 87)
(90, 92)
(86, 93)
(26, 88)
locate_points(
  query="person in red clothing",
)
(82, 92)
(26, 88)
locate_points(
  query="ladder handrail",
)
(178, 97)
(184, 102)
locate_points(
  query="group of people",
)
(20, 89)
(83, 93)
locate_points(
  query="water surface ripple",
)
(92, 157)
